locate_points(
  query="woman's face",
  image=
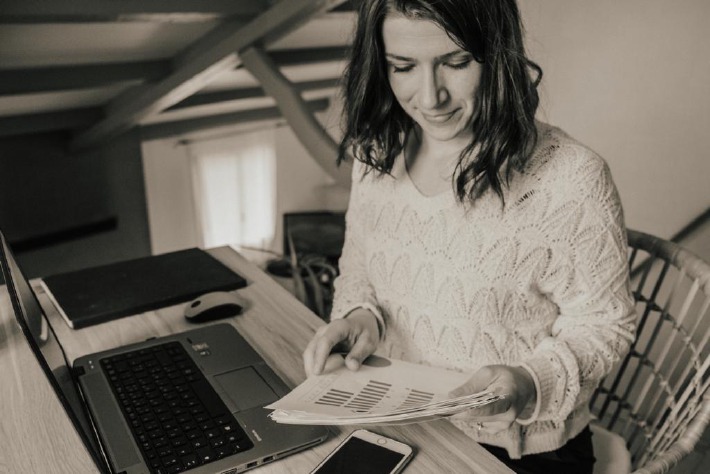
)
(433, 79)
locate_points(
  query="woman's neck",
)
(431, 164)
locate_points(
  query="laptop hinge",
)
(78, 371)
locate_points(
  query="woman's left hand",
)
(513, 383)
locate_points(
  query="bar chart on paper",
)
(371, 395)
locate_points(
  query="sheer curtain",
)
(234, 185)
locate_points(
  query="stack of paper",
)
(382, 391)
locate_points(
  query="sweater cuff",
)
(526, 417)
(371, 308)
(541, 369)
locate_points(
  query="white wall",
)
(631, 79)
(168, 187)
(300, 182)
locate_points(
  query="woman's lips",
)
(438, 118)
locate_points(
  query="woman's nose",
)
(432, 91)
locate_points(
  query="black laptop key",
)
(206, 454)
(210, 399)
(190, 460)
(222, 451)
(177, 418)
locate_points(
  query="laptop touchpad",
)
(246, 389)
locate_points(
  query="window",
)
(234, 185)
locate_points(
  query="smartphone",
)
(365, 451)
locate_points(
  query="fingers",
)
(499, 415)
(491, 418)
(479, 382)
(493, 409)
(320, 346)
(362, 349)
(333, 362)
(488, 425)
(514, 384)
(350, 334)
(493, 427)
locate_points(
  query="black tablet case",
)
(99, 294)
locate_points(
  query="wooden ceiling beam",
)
(299, 57)
(321, 146)
(80, 76)
(84, 76)
(182, 127)
(212, 98)
(348, 6)
(196, 67)
(170, 11)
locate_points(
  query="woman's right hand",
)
(358, 334)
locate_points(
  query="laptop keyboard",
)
(177, 418)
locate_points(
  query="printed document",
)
(382, 391)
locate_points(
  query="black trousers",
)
(577, 456)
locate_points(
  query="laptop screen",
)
(50, 355)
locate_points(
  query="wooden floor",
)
(698, 462)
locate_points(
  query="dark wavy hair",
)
(376, 127)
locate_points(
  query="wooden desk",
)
(36, 436)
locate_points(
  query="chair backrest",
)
(657, 398)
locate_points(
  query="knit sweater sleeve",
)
(352, 287)
(590, 285)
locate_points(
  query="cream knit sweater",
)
(541, 283)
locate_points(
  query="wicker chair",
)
(657, 399)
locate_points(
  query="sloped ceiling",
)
(96, 68)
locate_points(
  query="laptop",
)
(188, 402)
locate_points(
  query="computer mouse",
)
(214, 305)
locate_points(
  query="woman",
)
(477, 239)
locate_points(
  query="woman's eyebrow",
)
(452, 54)
(397, 57)
(445, 56)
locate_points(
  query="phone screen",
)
(358, 456)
